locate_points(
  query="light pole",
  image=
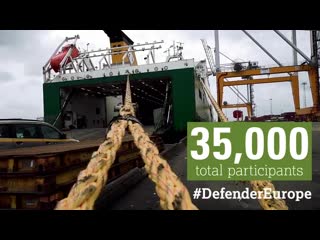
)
(270, 106)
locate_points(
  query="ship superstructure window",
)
(200, 94)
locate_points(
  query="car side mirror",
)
(63, 136)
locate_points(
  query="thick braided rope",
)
(91, 180)
(171, 191)
(267, 204)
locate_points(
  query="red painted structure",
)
(57, 59)
(237, 114)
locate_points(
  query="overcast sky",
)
(23, 53)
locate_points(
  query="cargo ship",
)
(84, 95)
